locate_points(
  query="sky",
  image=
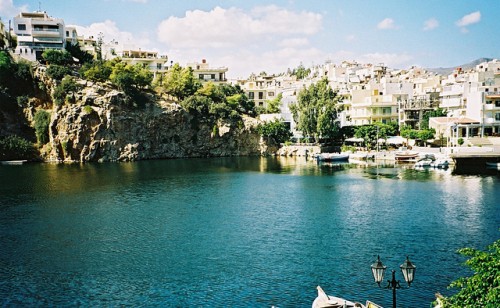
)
(272, 36)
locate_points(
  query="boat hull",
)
(332, 157)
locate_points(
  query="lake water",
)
(234, 232)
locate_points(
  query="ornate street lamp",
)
(407, 268)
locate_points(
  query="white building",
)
(36, 32)
(482, 97)
(205, 73)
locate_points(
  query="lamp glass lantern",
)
(408, 270)
(378, 270)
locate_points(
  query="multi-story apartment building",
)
(36, 32)
(149, 59)
(473, 101)
(260, 89)
(206, 73)
(453, 92)
(482, 98)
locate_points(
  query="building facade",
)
(205, 73)
(36, 32)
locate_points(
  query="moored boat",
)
(327, 301)
(405, 155)
(440, 163)
(332, 157)
(424, 163)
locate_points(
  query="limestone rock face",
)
(104, 124)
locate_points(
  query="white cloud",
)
(265, 38)
(350, 38)
(222, 28)
(385, 24)
(431, 24)
(8, 10)
(294, 42)
(111, 32)
(469, 19)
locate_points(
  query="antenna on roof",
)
(39, 6)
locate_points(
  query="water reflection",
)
(264, 231)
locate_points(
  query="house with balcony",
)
(483, 99)
(205, 73)
(36, 32)
(157, 64)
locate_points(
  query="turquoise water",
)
(234, 232)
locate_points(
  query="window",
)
(261, 95)
(212, 76)
(251, 95)
(270, 94)
(21, 27)
(200, 76)
(497, 103)
(497, 116)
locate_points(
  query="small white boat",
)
(332, 157)
(327, 301)
(440, 163)
(424, 163)
(403, 154)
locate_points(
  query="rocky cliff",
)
(104, 124)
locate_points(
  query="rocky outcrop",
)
(104, 124)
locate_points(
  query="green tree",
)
(273, 106)
(482, 289)
(7, 67)
(57, 57)
(439, 112)
(426, 134)
(301, 72)
(97, 71)
(130, 77)
(76, 52)
(180, 82)
(318, 101)
(42, 121)
(409, 133)
(275, 131)
(57, 72)
(17, 77)
(368, 133)
(13, 147)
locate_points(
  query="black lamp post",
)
(407, 268)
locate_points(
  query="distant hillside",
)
(449, 70)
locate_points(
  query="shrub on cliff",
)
(13, 147)
(42, 121)
(180, 82)
(68, 86)
(57, 72)
(57, 57)
(16, 77)
(97, 71)
(131, 77)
